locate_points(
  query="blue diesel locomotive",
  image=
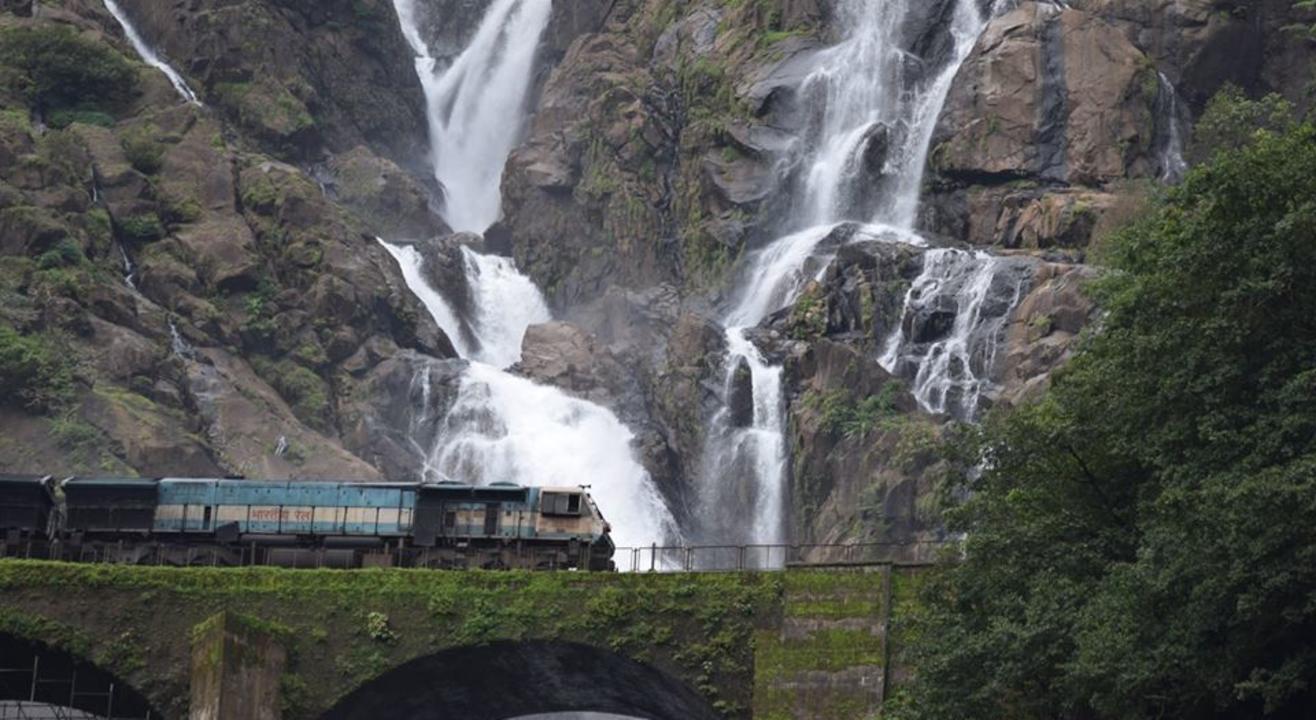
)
(182, 521)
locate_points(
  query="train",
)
(236, 522)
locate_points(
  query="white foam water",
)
(951, 366)
(148, 54)
(1173, 164)
(477, 104)
(506, 303)
(505, 428)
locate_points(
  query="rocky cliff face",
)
(1062, 114)
(657, 154)
(186, 303)
(198, 289)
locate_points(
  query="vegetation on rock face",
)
(58, 69)
(1142, 542)
(32, 372)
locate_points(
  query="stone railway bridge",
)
(264, 643)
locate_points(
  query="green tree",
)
(1142, 541)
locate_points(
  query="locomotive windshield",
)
(562, 503)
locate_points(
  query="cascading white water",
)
(129, 270)
(477, 104)
(179, 344)
(955, 314)
(866, 88)
(149, 55)
(506, 303)
(501, 427)
(867, 95)
(506, 428)
(413, 272)
(1173, 164)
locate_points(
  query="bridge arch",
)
(511, 679)
(33, 671)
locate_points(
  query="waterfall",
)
(501, 427)
(178, 344)
(413, 272)
(1170, 123)
(129, 270)
(955, 315)
(149, 55)
(477, 105)
(862, 161)
(504, 428)
(506, 303)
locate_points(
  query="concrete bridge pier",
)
(237, 668)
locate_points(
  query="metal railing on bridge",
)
(736, 558)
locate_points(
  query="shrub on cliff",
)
(56, 68)
(1142, 542)
(32, 373)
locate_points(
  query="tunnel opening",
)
(513, 679)
(38, 681)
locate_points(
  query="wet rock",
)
(242, 417)
(740, 396)
(876, 145)
(571, 20)
(1044, 330)
(152, 439)
(1049, 93)
(741, 180)
(391, 202)
(396, 419)
(690, 37)
(223, 253)
(851, 482)
(771, 90)
(122, 353)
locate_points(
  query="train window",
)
(560, 503)
(205, 519)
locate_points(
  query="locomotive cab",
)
(572, 513)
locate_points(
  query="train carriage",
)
(27, 510)
(110, 506)
(265, 508)
(185, 521)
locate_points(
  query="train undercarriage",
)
(310, 552)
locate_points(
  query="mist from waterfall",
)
(502, 427)
(476, 104)
(148, 54)
(873, 100)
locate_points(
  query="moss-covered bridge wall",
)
(799, 644)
